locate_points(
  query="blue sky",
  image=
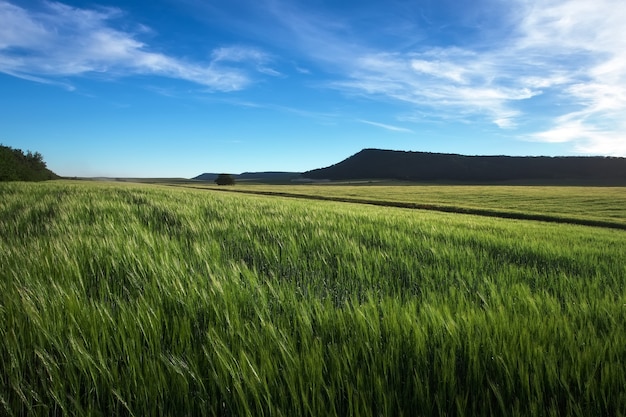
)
(174, 88)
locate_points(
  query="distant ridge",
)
(426, 166)
(253, 176)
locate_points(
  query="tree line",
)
(17, 165)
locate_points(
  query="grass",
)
(143, 300)
(595, 205)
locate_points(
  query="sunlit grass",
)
(596, 204)
(139, 300)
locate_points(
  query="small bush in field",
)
(225, 179)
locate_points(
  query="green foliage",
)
(142, 300)
(15, 165)
(225, 179)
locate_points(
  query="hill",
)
(426, 166)
(253, 176)
(15, 165)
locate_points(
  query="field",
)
(121, 299)
(603, 206)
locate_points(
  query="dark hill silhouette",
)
(207, 176)
(425, 166)
(253, 176)
(15, 165)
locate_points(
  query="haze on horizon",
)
(176, 88)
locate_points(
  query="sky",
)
(175, 88)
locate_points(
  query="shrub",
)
(225, 179)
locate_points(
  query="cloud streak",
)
(386, 126)
(561, 51)
(63, 41)
(454, 81)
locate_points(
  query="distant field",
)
(594, 204)
(122, 299)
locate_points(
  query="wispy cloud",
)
(325, 117)
(63, 41)
(386, 126)
(452, 81)
(595, 34)
(570, 52)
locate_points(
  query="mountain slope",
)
(425, 166)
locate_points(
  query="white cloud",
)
(17, 29)
(602, 143)
(565, 131)
(587, 138)
(573, 24)
(246, 55)
(387, 126)
(595, 34)
(568, 52)
(439, 69)
(461, 85)
(239, 54)
(63, 41)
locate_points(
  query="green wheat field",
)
(133, 300)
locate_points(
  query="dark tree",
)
(225, 179)
(15, 165)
